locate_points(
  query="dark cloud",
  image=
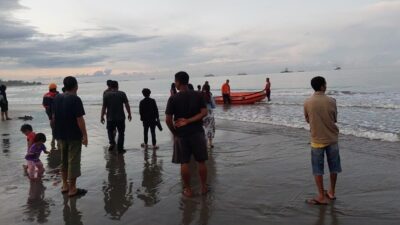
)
(27, 47)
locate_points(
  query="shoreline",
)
(259, 174)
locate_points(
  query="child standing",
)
(33, 156)
(27, 130)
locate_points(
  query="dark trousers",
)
(120, 126)
(152, 126)
(227, 98)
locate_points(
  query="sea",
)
(368, 99)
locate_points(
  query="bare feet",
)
(145, 146)
(187, 192)
(205, 190)
(155, 147)
(330, 195)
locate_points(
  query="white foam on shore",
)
(363, 133)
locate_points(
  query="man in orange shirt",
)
(226, 92)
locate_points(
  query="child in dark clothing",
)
(149, 116)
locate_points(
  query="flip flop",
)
(79, 192)
(329, 197)
(315, 202)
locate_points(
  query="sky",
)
(52, 38)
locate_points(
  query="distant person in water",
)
(320, 112)
(205, 85)
(48, 100)
(199, 88)
(109, 83)
(149, 116)
(173, 90)
(226, 92)
(268, 89)
(35, 166)
(184, 114)
(190, 86)
(209, 121)
(4, 103)
(70, 131)
(114, 102)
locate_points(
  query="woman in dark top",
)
(4, 103)
(149, 115)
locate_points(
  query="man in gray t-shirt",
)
(113, 105)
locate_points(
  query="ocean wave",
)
(344, 105)
(358, 132)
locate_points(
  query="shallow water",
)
(368, 100)
(259, 174)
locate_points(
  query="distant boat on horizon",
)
(286, 71)
(209, 75)
(242, 74)
(338, 68)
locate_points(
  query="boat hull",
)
(243, 98)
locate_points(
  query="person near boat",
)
(226, 92)
(209, 121)
(268, 89)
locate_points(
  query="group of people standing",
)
(186, 112)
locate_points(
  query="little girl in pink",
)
(33, 156)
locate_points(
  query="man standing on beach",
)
(70, 131)
(268, 89)
(320, 112)
(226, 92)
(184, 114)
(48, 100)
(113, 105)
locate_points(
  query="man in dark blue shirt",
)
(184, 117)
(70, 130)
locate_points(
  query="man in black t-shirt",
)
(149, 116)
(184, 117)
(70, 131)
(113, 105)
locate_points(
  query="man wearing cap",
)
(48, 100)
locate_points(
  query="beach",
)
(258, 173)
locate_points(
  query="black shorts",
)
(194, 144)
(4, 106)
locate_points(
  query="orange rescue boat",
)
(243, 98)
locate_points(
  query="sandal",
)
(315, 202)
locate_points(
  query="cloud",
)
(99, 73)
(26, 47)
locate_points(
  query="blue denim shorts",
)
(333, 158)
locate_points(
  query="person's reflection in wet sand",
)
(38, 207)
(322, 215)
(118, 196)
(5, 143)
(152, 178)
(189, 206)
(71, 214)
(53, 166)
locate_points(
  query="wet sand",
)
(259, 174)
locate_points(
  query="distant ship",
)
(209, 75)
(286, 71)
(338, 68)
(242, 74)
